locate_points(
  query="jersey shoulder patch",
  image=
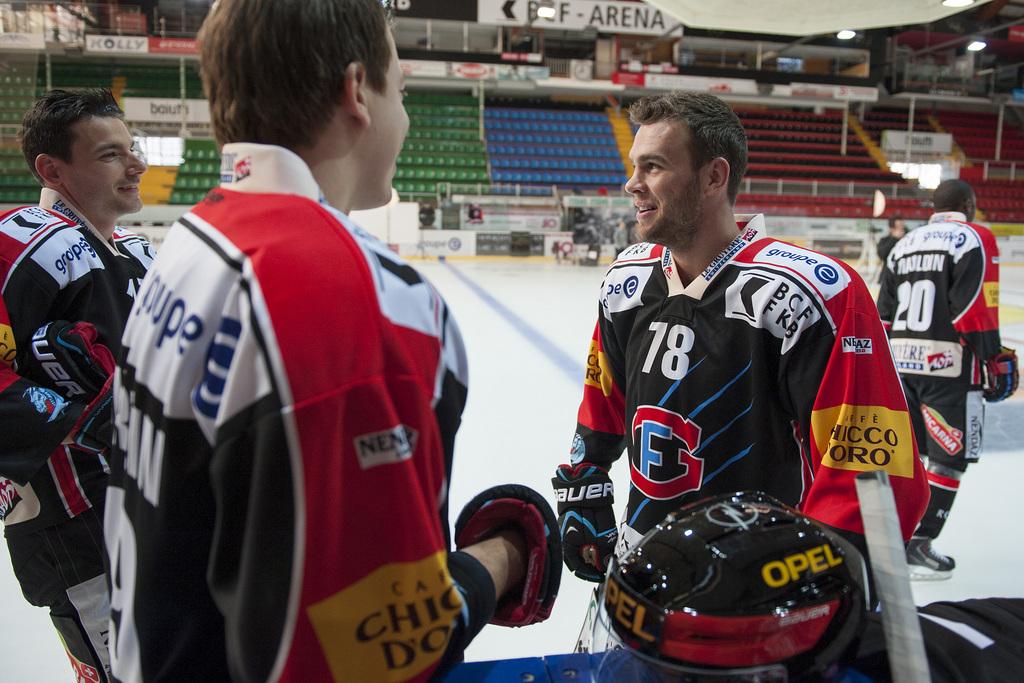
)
(135, 244)
(953, 237)
(624, 284)
(29, 223)
(641, 251)
(825, 275)
(50, 241)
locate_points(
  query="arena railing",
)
(68, 22)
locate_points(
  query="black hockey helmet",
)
(738, 586)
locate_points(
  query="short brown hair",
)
(46, 127)
(715, 129)
(273, 70)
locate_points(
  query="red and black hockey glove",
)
(1000, 375)
(94, 430)
(586, 519)
(67, 357)
(512, 506)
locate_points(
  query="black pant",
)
(948, 419)
(62, 567)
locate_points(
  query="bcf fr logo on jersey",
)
(664, 465)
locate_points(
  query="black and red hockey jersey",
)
(769, 371)
(54, 267)
(286, 406)
(939, 299)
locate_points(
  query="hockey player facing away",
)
(939, 301)
(725, 360)
(68, 276)
(288, 394)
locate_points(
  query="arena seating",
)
(1001, 200)
(819, 206)
(16, 94)
(975, 133)
(806, 146)
(443, 144)
(199, 173)
(17, 184)
(573, 149)
(530, 147)
(878, 119)
(126, 80)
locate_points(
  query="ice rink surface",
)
(527, 328)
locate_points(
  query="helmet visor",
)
(617, 662)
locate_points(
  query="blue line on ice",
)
(570, 367)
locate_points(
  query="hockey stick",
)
(904, 642)
(584, 640)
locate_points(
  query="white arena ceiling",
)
(804, 17)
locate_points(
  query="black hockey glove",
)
(512, 506)
(66, 356)
(1000, 375)
(586, 519)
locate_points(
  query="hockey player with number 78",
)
(725, 360)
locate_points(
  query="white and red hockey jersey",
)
(286, 406)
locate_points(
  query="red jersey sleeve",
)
(33, 419)
(858, 419)
(600, 428)
(974, 295)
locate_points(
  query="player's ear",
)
(716, 176)
(48, 169)
(354, 94)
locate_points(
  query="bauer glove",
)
(1000, 375)
(66, 356)
(520, 508)
(586, 519)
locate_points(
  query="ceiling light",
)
(846, 34)
(977, 46)
(546, 9)
(957, 3)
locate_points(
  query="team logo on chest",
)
(767, 301)
(664, 465)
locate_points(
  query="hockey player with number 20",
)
(725, 360)
(939, 301)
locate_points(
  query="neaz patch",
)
(857, 345)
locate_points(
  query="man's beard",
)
(680, 221)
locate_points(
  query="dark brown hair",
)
(715, 130)
(273, 69)
(46, 127)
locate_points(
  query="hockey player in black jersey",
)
(68, 275)
(939, 301)
(723, 359)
